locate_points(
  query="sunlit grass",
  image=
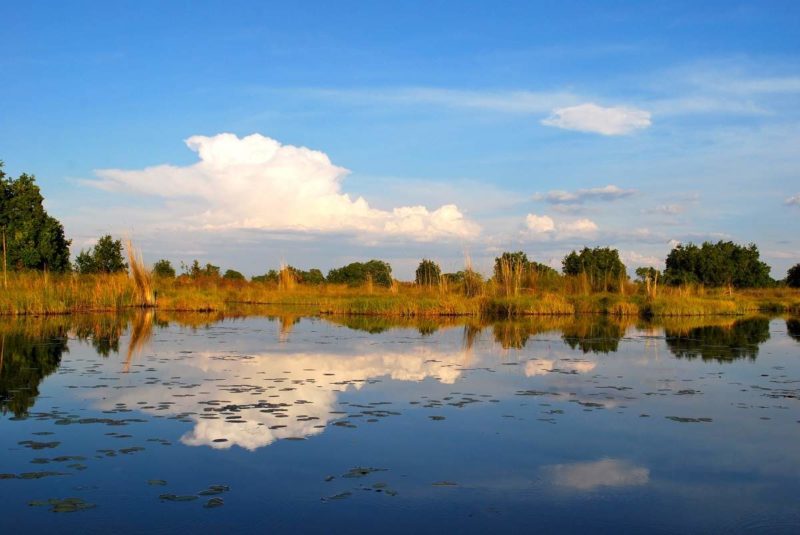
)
(36, 293)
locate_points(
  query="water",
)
(285, 423)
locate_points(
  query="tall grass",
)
(37, 293)
(142, 278)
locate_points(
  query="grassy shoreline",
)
(43, 294)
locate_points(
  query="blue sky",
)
(460, 126)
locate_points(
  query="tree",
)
(164, 269)
(646, 273)
(793, 276)
(195, 270)
(233, 275)
(34, 240)
(601, 265)
(312, 276)
(270, 276)
(428, 273)
(717, 264)
(104, 257)
(357, 273)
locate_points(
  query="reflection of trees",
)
(793, 328)
(720, 343)
(31, 349)
(594, 335)
(378, 324)
(587, 333)
(103, 331)
(27, 356)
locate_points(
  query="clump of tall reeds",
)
(509, 276)
(286, 279)
(142, 278)
(473, 282)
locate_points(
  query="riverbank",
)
(43, 294)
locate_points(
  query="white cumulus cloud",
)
(255, 182)
(608, 121)
(540, 224)
(578, 227)
(545, 227)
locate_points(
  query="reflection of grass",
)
(35, 293)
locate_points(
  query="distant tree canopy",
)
(358, 272)
(601, 265)
(312, 276)
(793, 276)
(270, 276)
(164, 269)
(195, 270)
(34, 239)
(104, 257)
(233, 275)
(645, 272)
(517, 265)
(428, 273)
(717, 264)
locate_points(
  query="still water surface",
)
(284, 423)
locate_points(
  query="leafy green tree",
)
(34, 240)
(644, 273)
(510, 265)
(270, 276)
(717, 264)
(428, 273)
(312, 276)
(601, 265)
(104, 257)
(196, 271)
(233, 275)
(164, 269)
(793, 276)
(357, 273)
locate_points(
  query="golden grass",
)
(36, 293)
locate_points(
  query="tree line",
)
(31, 239)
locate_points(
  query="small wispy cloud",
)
(604, 193)
(591, 118)
(589, 476)
(520, 101)
(794, 200)
(669, 209)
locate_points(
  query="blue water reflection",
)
(287, 423)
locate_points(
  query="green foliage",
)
(517, 265)
(357, 273)
(27, 360)
(601, 265)
(270, 276)
(717, 264)
(164, 269)
(428, 273)
(645, 273)
(233, 275)
(312, 276)
(196, 271)
(104, 257)
(34, 239)
(793, 276)
(721, 344)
